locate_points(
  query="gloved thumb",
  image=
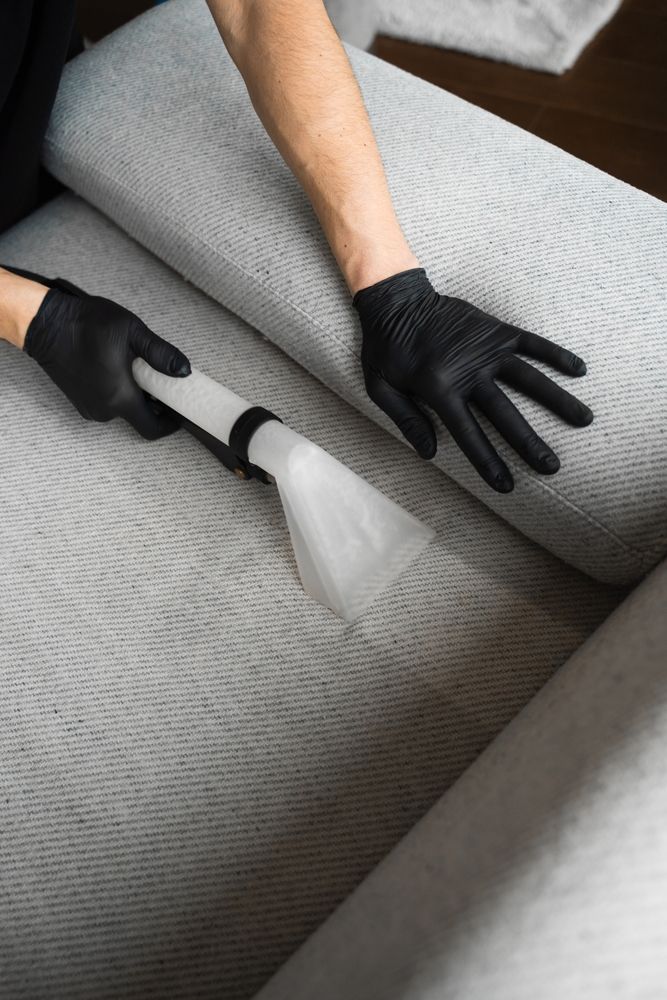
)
(411, 422)
(159, 354)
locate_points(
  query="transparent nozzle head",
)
(350, 541)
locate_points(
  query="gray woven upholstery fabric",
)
(168, 146)
(198, 762)
(543, 871)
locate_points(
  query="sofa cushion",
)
(543, 872)
(154, 127)
(199, 762)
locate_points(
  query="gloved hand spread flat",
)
(419, 346)
(87, 344)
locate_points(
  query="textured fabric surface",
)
(543, 871)
(539, 34)
(355, 22)
(198, 762)
(171, 149)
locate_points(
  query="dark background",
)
(609, 109)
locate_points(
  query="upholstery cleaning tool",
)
(349, 540)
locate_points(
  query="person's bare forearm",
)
(20, 298)
(303, 89)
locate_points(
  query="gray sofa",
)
(201, 767)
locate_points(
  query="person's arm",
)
(20, 298)
(303, 89)
(87, 344)
(418, 346)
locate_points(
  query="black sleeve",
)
(35, 41)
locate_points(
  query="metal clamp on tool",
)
(234, 456)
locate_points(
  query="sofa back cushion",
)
(155, 128)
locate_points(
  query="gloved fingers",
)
(516, 430)
(545, 350)
(522, 376)
(159, 354)
(411, 422)
(475, 445)
(103, 417)
(138, 411)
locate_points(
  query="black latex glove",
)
(419, 346)
(87, 344)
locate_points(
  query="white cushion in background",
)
(154, 127)
(540, 34)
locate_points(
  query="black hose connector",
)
(240, 436)
(234, 456)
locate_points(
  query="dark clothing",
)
(36, 39)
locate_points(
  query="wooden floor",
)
(609, 109)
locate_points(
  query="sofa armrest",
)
(542, 872)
